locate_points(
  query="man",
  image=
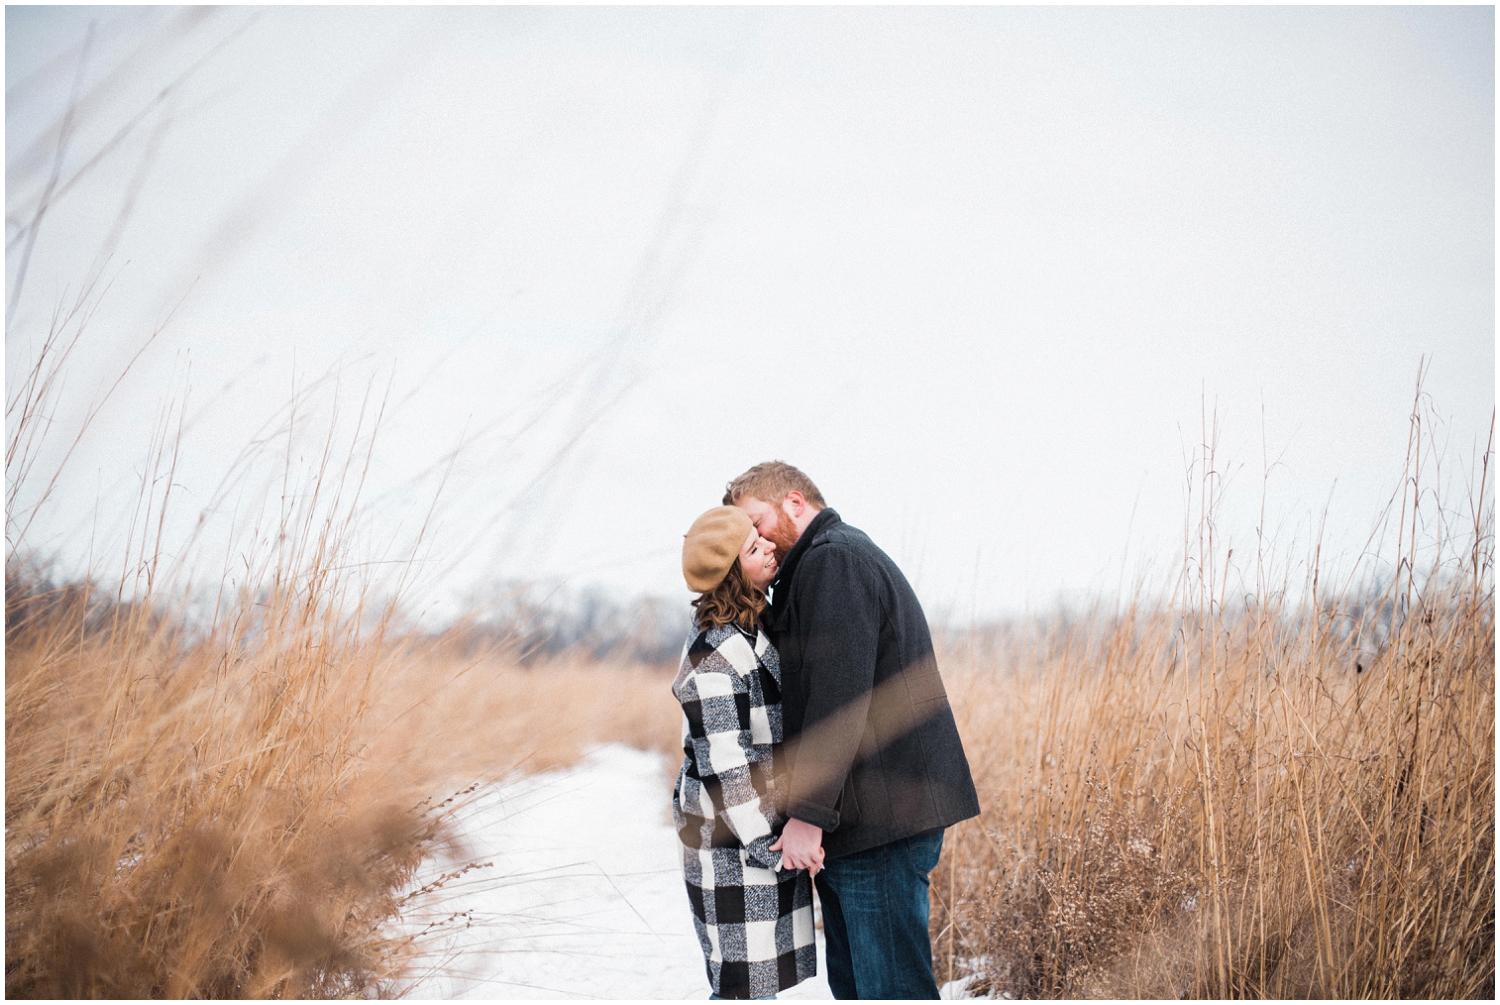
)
(875, 768)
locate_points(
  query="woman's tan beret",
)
(711, 545)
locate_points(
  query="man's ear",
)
(793, 504)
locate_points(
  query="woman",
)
(754, 919)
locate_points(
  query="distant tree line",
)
(536, 625)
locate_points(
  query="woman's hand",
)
(801, 846)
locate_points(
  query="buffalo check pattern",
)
(754, 919)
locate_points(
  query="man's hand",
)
(801, 846)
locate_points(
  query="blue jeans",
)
(875, 919)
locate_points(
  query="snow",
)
(585, 898)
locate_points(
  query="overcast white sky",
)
(974, 270)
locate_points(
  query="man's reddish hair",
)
(770, 482)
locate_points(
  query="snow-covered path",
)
(585, 899)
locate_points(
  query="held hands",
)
(801, 846)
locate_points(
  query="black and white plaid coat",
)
(754, 919)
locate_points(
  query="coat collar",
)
(825, 519)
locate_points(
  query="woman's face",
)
(758, 560)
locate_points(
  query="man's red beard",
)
(783, 535)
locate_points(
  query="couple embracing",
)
(820, 748)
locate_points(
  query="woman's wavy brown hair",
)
(733, 602)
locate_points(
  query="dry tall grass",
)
(239, 816)
(1218, 798)
(187, 811)
(190, 819)
(226, 792)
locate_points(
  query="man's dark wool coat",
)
(873, 750)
